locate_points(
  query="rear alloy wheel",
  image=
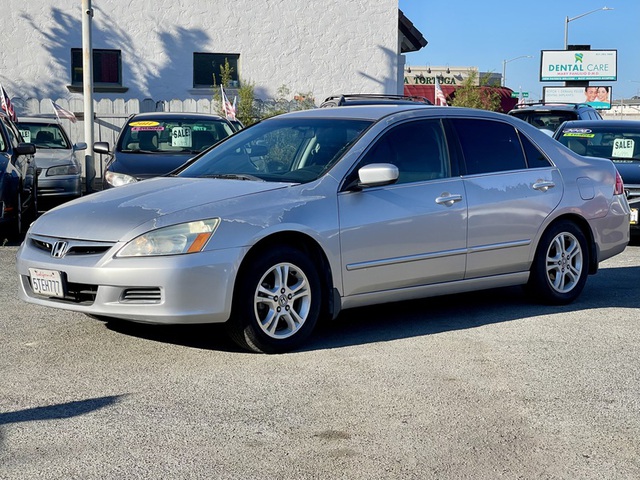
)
(561, 265)
(277, 302)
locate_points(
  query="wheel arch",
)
(309, 246)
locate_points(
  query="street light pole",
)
(504, 67)
(87, 92)
(567, 20)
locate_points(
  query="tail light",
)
(619, 190)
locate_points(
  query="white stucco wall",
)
(322, 47)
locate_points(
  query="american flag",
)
(6, 105)
(228, 109)
(440, 98)
(63, 113)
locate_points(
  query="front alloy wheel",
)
(282, 301)
(277, 301)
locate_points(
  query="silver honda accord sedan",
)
(300, 216)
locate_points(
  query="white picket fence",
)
(111, 115)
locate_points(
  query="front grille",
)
(74, 247)
(81, 292)
(632, 191)
(141, 295)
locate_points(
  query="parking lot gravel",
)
(485, 385)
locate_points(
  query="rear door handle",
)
(543, 186)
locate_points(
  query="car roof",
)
(186, 115)
(38, 119)
(371, 99)
(602, 124)
(362, 112)
(544, 107)
(375, 112)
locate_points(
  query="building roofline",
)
(412, 39)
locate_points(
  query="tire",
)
(27, 213)
(561, 265)
(19, 213)
(277, 301)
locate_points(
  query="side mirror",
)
(25, 149)
(377, 174)
(101, 147)
(80, 146)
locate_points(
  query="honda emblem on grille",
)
(59, 249)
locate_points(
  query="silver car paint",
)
(199, 287)
(58, 185)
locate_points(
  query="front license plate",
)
(46, 282)
(634, 216)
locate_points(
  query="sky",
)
(484, 34)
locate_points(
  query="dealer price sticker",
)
(181, 137)
(623, 148)
(46, 282)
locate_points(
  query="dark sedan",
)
(18, 184)
(618, 140)
(154, 144)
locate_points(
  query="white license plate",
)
(46, 282)
(634, 216)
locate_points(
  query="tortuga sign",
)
(568, 65)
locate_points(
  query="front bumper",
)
(60, 186)
(193, 288)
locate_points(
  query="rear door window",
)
(489, 146)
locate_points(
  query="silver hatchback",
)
(57, 159)
(302, 215)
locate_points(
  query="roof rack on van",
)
(536, 104)
(371, 99)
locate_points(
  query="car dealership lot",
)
(482, 385)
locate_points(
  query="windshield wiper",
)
(137, 150)
(234, 176)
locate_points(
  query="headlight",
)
(184, 238)
(118, 179)
(62, 170)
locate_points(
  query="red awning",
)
(428, 91)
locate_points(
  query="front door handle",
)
(448, 199)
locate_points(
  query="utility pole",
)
(87, 90)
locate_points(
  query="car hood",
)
(108, 216)
(147, 165)
(49, 157)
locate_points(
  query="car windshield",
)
(172, 135)
(280, 150)
(616, 143)
(44, 135)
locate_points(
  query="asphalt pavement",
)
(486, 385)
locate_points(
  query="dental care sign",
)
(569, 65)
